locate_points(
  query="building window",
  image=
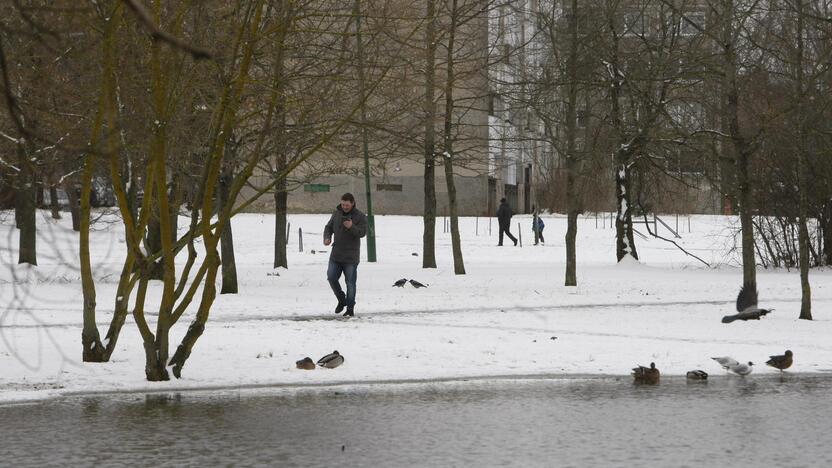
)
(315, 188)
(687, 115)
(633, 23)
(691, 24)
(389, 187)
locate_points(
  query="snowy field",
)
(509, 316)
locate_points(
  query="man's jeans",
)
(333, 275)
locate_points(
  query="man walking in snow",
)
(504, 215)
(537, 227)
(348, 225)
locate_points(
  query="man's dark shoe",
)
(340, 308)
(349, 312)
(515, 243)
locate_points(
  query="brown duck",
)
(306, 364)
(781, 362)
(646, 375)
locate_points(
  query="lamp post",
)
(371, 224)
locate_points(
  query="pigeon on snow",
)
(417, 284)
(400, 283)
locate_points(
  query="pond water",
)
(762, 421)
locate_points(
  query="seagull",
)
(331, 360)
(726, 362)
(417, 284)
(742, 369)
(646, 375)
(306, 364)
(697, 375)
(746, 306)
(400, 283)
(781, 362)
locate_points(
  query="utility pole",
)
(371, 224)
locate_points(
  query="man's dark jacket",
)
(346, 247)
(504, 214)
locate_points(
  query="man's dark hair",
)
(502, 200)
(348, 197)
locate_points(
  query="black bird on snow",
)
(746, 306)
(781, 362)
(400, 283)
(331, 360)
(646, 375)
(417, 284)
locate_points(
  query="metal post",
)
(477, 225)
(520, 234)
(300, 239)
(288, 227)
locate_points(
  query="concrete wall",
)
(471, 196)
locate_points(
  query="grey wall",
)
(471, 196)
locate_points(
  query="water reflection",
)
(724, 422)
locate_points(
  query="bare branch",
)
(157, 34)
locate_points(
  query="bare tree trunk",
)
(624, 244)
(54, 206)
(740, 146)
(74, 206)
(826, 228)
(459, 264)
(572, 203)
(28, 211)
(120, 310)
(281, 195)
(154, 242)
(229, 264)
(802, 177)
(197, 327)
(92, 349)
(280, 205)
(429, 216)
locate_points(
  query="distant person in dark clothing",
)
(348, 225)
(504, 215)
(538, 228)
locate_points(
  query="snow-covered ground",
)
(509, 315)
